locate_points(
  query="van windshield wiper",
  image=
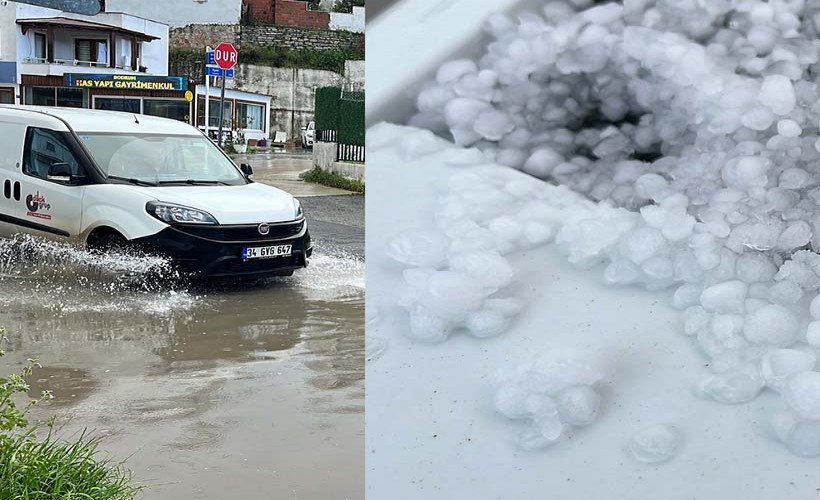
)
(138, 182)
(194, 181)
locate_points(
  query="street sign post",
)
(217, 71)
(225, 56)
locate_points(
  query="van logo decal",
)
(36, 204)
(263, 229)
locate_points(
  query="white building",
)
(244, 110)
(107, 61)
(181, 12)
(113, 61)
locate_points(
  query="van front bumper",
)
(216, 251)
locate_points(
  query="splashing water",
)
(68, 278)
(331, 274)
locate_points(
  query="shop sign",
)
(126, 82)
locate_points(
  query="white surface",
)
(424, 33)
(181, 12)
(432, 432)
(353, 21)
(92, 120)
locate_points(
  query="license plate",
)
(266, 252)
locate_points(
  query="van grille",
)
(244, 232)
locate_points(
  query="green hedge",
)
(351, 122)
(327, 108)
(346, 116)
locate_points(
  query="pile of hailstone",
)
(698, 118)
(553, 394)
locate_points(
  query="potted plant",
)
(239, 143)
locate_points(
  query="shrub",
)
(332, 179)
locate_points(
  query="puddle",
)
(190, 381)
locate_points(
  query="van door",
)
(12, 137)
(51, 205)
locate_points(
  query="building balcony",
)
(59, 67)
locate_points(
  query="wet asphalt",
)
(218, 392)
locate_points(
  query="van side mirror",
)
(246, 169)
(60, 172)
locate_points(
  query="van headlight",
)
(297, 209)
(178, 214)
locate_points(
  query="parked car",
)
(113, 180)
(308, 135)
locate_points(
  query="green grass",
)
(50, 469)
(332, 179)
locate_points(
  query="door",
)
(6, 96)
(51, 206)
(12, 137)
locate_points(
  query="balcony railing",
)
(67, 62)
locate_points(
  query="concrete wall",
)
(348, 22)
(324, 155)
(181, 12)
(292, 90)
(354, 75)
(8, 33)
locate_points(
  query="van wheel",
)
(106, 241)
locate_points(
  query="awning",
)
(78, 24)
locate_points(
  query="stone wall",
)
(299, 38)
(201, 35)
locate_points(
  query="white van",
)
(108, 179)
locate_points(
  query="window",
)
(41, 96)
(118, 104)
(91, 52)
(56, 96)
(162, 159)
(176, 109)
(40, 47)
(6, 96)
(45, 148)
(71, 98)
(213, 117)
(249, 116)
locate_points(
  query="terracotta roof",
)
(65, 22)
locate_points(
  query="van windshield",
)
(161, 159)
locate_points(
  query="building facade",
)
(108, 61)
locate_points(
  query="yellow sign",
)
(189, 96)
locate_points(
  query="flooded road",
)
(242, 392)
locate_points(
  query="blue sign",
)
(217, 71)
(125, 82)
(209, 57)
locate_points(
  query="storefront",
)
(245, 111)
(165, 96)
